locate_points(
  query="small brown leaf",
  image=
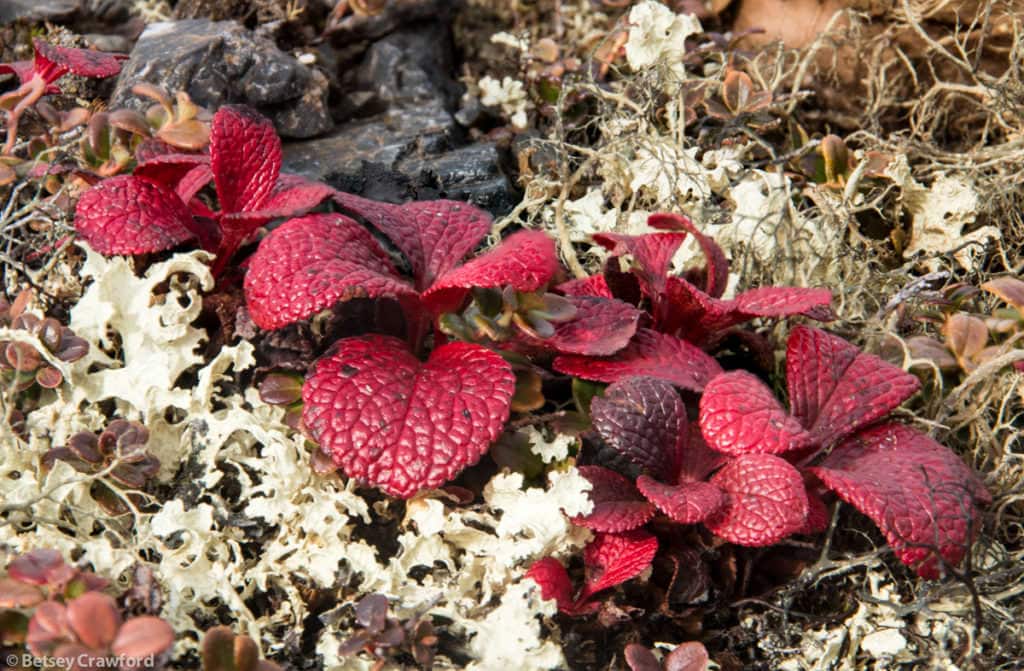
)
(143, 637)
(965, 335)
(1010, 289)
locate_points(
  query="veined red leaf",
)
(716, 271)
(594, 285)
(525, 261)
(245, 155)
(613, 558)
(765, 500)
(919, 493)
(435, 236)
(312, 262)
(129, 215)
(651, 253)
(649, 354)
(740, 415)
(618, 506)
(402, 425)
(82, 62)
(686, 503)
(554, 582)
(601, 327)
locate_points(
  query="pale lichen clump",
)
(213, 438)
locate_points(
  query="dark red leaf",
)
(919, 493)
(652, 254)
(292, 197)
(613, 558)
(434, 235)
(716, 272)
(594, 285)
(192, 183)
(554, 582)
(699, 460)
(618, 505)
(765, 501)
(525, 261)
(651, 354)
(835, 389)
(686, 503)
(817, 515)
(82, 62)
(644, 419)
(245, 155)
(601, 327)
(310, 263)
(170, 169)
(639, 658)
(740, 415)
(128, 215)
(23, 70)
(401, 424)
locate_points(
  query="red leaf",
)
(82, 62)
(783, 302)
(618, 505)
(740, 415)
(434, 235)
(594, 285)
(525, 261)
(686, 503)
(652, 254)
(143, 637)
(291, 197)
(765, 501)
(403, 425)
(716, 272)
(128, 215)
(245, 157)
(612, 559)
(601, 327)
(918, 492)
(835, 389)
(35, 567)
(170, 169)
(817, 515)
(554, 582)
(649, 353)
(310, 263)
(639, 658)
(644, 419)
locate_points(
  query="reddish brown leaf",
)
(95, 619)
(1010, 289)
(143, 637)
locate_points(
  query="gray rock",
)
(406, 144)
(37, 10)
(222, 62)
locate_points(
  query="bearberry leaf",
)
(740, 415)
(312, 262)
(402, 425)
(765, 500)
(245, 155)
(129, 215)
(689, 656)
(601, 327)
(644, 419)
(82, 62)
(919, 493)
(618, 505)
(554, 582)
(686, 503)
(651, 354)
(170, 169)
(716, 271)
(435, 236)
(652, 254)
(835, 389)
(593, 285)
(613, 558)
(525, 261)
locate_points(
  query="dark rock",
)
(38, 10)
(222, 62)
(396, 14)
(405, 143)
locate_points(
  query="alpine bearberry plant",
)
(769, 467)
(158, 207)
(686, 314)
